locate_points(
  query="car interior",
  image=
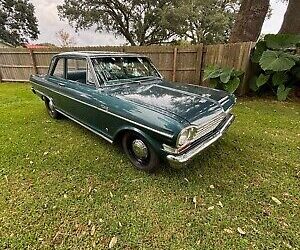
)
(77, 76)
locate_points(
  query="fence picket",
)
(182, 63)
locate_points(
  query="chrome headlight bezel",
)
(186, 136)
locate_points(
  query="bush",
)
(227, 79)
(278, 63)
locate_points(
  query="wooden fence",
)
(176, 63)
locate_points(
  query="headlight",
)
(186, 136)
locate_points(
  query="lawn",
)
(62, 186)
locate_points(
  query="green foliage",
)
(276, 61)
(253, 85)
(282, 41)
(280, 78)
(227, 79)
(262, 79)
(17, 21)
(145, 22)
(282, 92)
(260, 48)
(279, 63)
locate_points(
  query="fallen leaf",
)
(195, 201)
(241, 231)
(211, 208)
(212, 186)
(220, 204)
(93, 230)
(278, 202)
(113, 242)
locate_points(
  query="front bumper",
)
(183, 158)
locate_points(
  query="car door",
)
(83, 101)
(56, 79)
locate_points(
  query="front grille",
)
(210, 125)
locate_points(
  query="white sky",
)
(50, 24)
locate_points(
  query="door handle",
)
(61, 84)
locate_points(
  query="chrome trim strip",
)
(223, 99)
(74, 120)
(85, 126)
(105, 111)
(179, 159)
(41, 93)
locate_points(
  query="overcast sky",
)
(50, 24)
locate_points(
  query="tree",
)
(145, 22)
(137, 20)
(208, 21)
(291, 21)
(17, 21)
(65, 39)
(249, 21)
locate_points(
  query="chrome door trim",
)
(108, 112)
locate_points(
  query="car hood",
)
(186, 102)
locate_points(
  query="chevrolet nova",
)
(123, 98)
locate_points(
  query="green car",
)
(124, 99)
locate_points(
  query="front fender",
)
(155, 144)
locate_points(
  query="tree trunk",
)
(249, 21)
(291, 21)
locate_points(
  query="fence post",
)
(174, 64)
(199, 64)
(248, 69)
(0, 74)
(202, 65)
(35, 70)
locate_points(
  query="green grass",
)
(62, 186)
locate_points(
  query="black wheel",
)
(140, 152)
(51, 109)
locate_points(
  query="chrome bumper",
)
(181, 159)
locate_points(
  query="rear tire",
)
(139, 152)
(53, 113)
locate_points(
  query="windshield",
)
(112, 69)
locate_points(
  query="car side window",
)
(58, 71)
(77, 70)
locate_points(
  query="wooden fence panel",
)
(183, 63)
(15, 65)
(236, 55)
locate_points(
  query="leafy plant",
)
(227, 79)
(279, 64)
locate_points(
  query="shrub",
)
(227, 79)
(278, 63)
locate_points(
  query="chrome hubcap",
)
(140, 149)
(51, 106)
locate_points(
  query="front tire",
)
(51, 109)
(140, 153)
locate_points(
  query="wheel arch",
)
(128, 129)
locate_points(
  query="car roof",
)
(97, 54)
